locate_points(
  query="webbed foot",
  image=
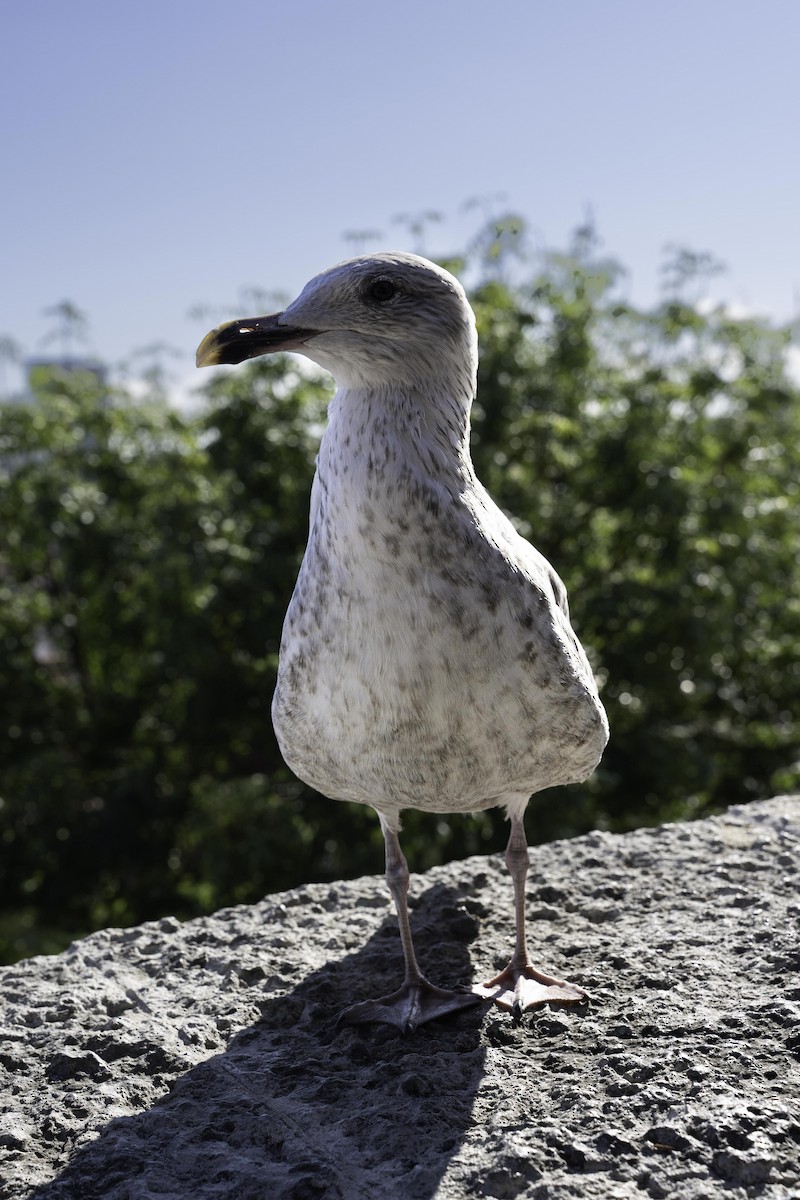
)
(412, 1005)
(520, 988)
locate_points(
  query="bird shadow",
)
(299, 1108)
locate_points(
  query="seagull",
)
(427, 659)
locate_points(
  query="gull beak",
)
(249, 337)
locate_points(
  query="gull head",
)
(376, 322)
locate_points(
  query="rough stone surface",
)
(203, 1059)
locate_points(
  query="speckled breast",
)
(434, 685)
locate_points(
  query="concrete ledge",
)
(203, 1060)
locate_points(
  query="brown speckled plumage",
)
(427, 658)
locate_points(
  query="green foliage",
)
(146, 566)
(655, 458)
(146, 561)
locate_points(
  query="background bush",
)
(146, 560)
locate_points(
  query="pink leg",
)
(415, 1001)
(520, 986)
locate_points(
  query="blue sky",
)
(168, 152)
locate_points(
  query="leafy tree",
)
(140, 626)
(70, 326)
(10, 355)
(146, 560)
(632, 447)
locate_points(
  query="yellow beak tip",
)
(207, 351)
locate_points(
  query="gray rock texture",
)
(203, 1059)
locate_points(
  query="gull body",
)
(427, 658)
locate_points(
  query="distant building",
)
(41, 369)
(38, 372)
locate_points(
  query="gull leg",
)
(520, 986)
(416, 1000)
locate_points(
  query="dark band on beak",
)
(249, 337)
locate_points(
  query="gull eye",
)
(381, 290)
